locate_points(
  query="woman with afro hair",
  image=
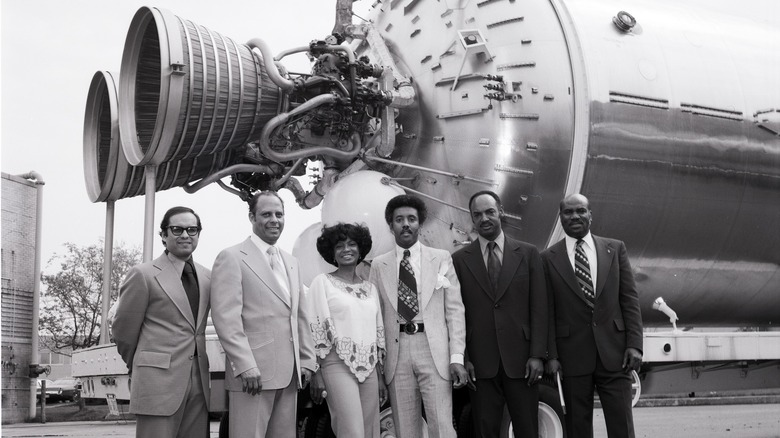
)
(348, 333)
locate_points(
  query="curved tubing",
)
(268, 57)
(216, 176)
(265, 136)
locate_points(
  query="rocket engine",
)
(670, 126)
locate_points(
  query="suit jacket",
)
(156, 335)
(509, 324)
(440, 305)
(578, 334)
(257, 324)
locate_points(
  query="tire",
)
(464, 425)
(224, 426)
(551, 421)
(317, 423)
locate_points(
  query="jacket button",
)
(594, 324)
(496, 305)
(291, 339)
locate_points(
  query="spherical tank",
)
(666, 115)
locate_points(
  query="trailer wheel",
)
(550, 416)
(317, 423)
(224, 425)
(636, 388)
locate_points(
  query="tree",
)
(72, 300)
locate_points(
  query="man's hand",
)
(551, 367)
(306, 375)
(317, 388)
(250, 381)
(383, 394)
(472, 376)
(533, 370)
(632, 360)
(459, 375)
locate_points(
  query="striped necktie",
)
(582, 271)
(407, 289)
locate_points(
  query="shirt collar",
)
(571, 242)
(499, 242)
(176, 262)
(414, 250)
(261, 244)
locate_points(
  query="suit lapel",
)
(170, 282)
(257, 262)
(389, 270)
(291, 266)
(476, 264)
(560, 262)
(428, 274)
(204, 280)
(604, 255)
(509, 265)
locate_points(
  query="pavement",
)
(710, 421)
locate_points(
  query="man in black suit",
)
(595, 324)
(502, 283)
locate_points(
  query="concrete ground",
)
(714, 421)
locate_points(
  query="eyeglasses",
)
(191, 231)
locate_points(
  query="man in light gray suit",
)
(425, 329)
(159, 330)
(260, 315)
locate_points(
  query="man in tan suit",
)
(425, 328)
(260, 315)
(159, 330)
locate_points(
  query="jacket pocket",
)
(561, 331)
(259, 339)
(619, 325)
(527, 332)
(153, 359)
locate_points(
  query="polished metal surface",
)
(669, 127)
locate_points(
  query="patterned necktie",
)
(277, 267)
(493, 264)
(190, 283)
(582, 271)
(407, 290)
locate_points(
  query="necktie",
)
(190, 283)
(407, 290)
(493, 264)
(277, 266)
(582, 271)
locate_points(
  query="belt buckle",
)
(411, 328)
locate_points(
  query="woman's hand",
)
(317, 388)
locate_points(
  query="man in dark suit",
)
(595, 323)
(159, 330)
(502, 283)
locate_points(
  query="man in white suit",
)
(159, 329)
(259, 311)
(425, 326)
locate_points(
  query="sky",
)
(50, 49)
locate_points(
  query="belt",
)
(411, 328)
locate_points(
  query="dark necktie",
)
(190, 282)
(407, 290)
(493, 265)
(582, 271)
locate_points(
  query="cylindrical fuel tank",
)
(665, 114)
